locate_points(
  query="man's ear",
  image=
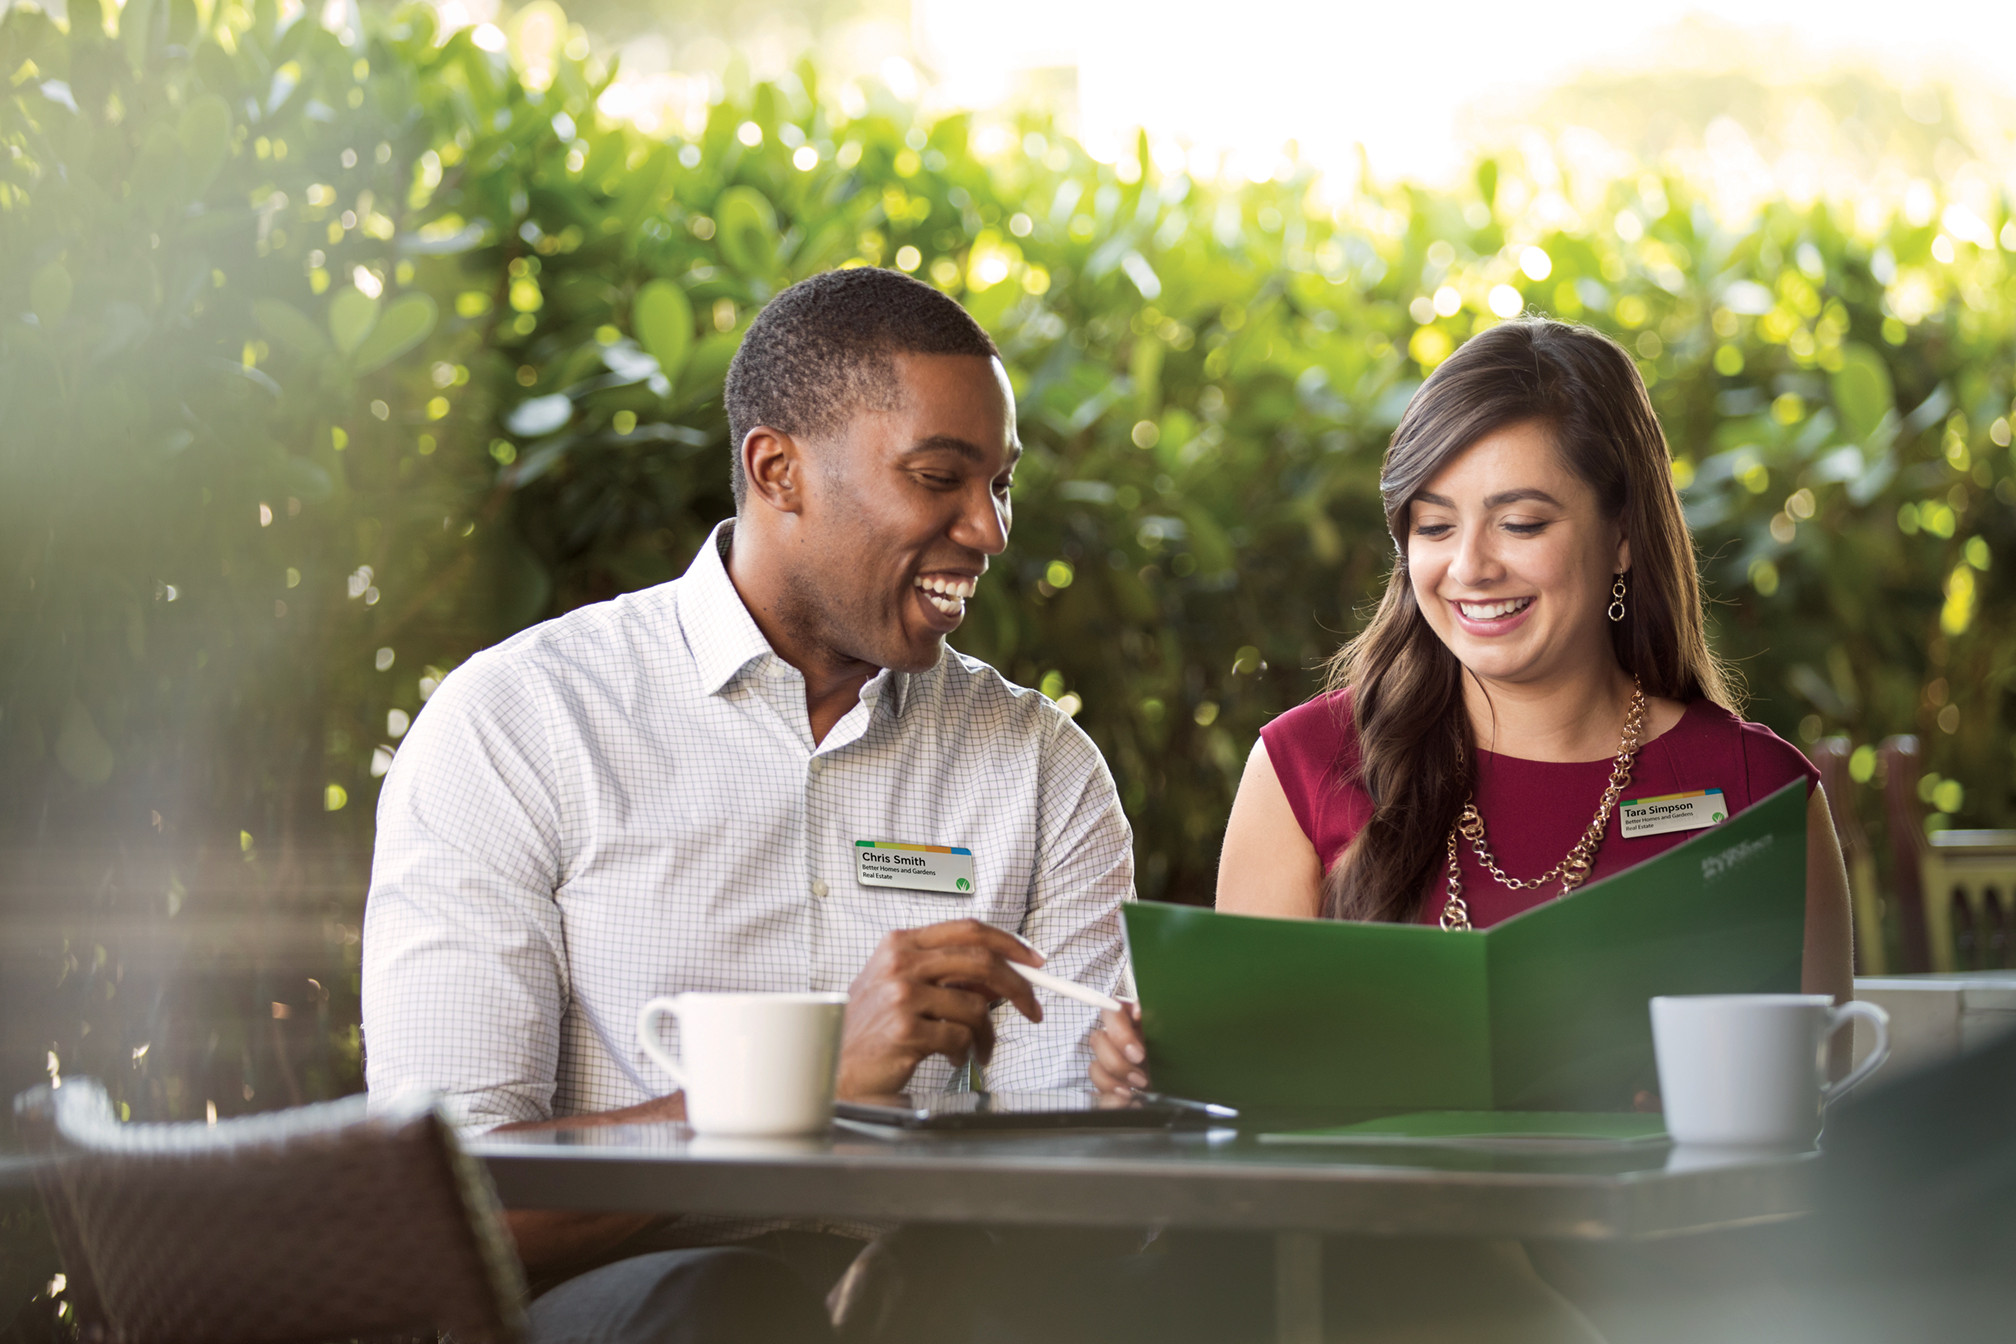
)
(774, 464)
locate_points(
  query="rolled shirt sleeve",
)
(1085, 872)
(464, 964)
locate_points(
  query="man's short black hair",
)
(822, 350)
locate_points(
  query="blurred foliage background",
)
(332, 351)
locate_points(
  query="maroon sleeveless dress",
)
(1534, 811)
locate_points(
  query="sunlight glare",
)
(1423, 86)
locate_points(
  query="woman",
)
(1539, 654)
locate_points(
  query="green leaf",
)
(352, 314)
(290, 326)
(136, 25)
(747, 231)
(990, 305)
(708, 364)
(662, 318)
(523, 585)
(638, 196)
(216, 69)
(605, 155)
(182, 22)
(1144, 371)
(49, 292)
(407, 322)
(827, 246)
(1862, 392)
(205, 132)
(87, 23)
(155, 178)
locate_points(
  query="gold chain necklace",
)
(1573, 870)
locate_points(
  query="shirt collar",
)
(886, 691)
(721, 632)
(724, 637)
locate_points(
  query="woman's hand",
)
(1119, 1059)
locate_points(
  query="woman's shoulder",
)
(1318, 731)
(1768, 759)
(1313, 749)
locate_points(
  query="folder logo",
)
(1716, 865)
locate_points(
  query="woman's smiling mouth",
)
(1494, 611)
(1489, 619)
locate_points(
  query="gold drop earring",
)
(1616, 612)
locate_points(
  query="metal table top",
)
(1220, 1179)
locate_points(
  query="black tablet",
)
(1028, 1110)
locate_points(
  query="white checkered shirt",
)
(627, 802)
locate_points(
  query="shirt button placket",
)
(816, 971)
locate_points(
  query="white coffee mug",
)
(1744, 1070)
(751, 1064)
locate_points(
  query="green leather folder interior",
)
(1545, 1011)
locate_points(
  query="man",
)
(663, 793)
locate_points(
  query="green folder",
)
(1545, 1011)
(1513, 1130)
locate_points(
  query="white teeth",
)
(1492, 611)
(947, 593)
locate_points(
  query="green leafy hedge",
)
(329, 356)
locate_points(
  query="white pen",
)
(1070, 990)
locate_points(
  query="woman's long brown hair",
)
(1414, 738)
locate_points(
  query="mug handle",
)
(1840, 1017)
(647, 1036)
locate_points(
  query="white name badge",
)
(890, 863)
(1674, 812)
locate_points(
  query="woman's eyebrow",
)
(1499, 500)
(1505, 497)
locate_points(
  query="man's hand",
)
(927, 992)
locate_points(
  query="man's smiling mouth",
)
(947, 592)
(1494, 611)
